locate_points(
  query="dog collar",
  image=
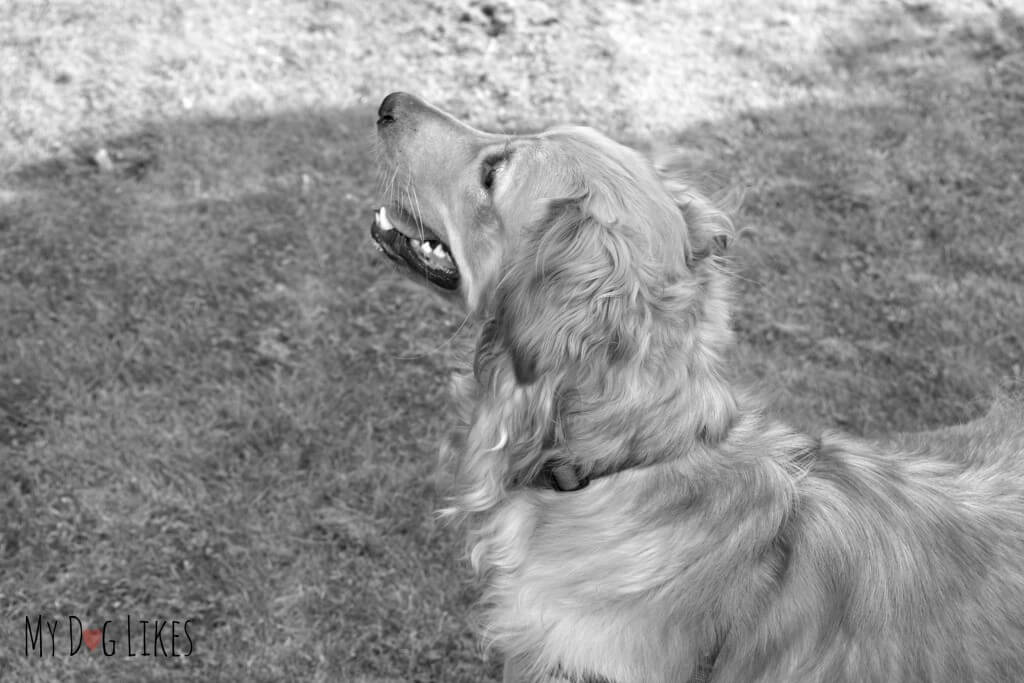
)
(561, 477)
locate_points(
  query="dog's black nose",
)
(388, 111)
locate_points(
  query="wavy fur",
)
(708, 527)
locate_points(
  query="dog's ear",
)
(581, 306)
(568, 309)
(573, 298)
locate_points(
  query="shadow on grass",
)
(217, 404)
(218, 407)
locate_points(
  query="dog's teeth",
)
(415, 243)
(439, 251)
(382, 220)
(425, 248)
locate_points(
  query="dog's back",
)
(994, 440)
(905, 563)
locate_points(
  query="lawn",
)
(219, 405)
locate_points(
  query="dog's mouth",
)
(425, 254)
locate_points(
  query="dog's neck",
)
(661, 407)
(597, 415)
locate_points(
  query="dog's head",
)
(465, 206)
(589, 267)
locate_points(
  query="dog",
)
(638, 519)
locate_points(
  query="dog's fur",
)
(707, 528)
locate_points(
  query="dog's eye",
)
(489, 171)
(491, 167)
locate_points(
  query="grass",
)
(218, 404)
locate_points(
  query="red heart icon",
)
(92, 637)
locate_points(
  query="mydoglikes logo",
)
(132, 637)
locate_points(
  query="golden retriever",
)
(635, 517)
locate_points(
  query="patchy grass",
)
(217, 404)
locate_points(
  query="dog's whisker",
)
(447, 342)
(419, 210)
